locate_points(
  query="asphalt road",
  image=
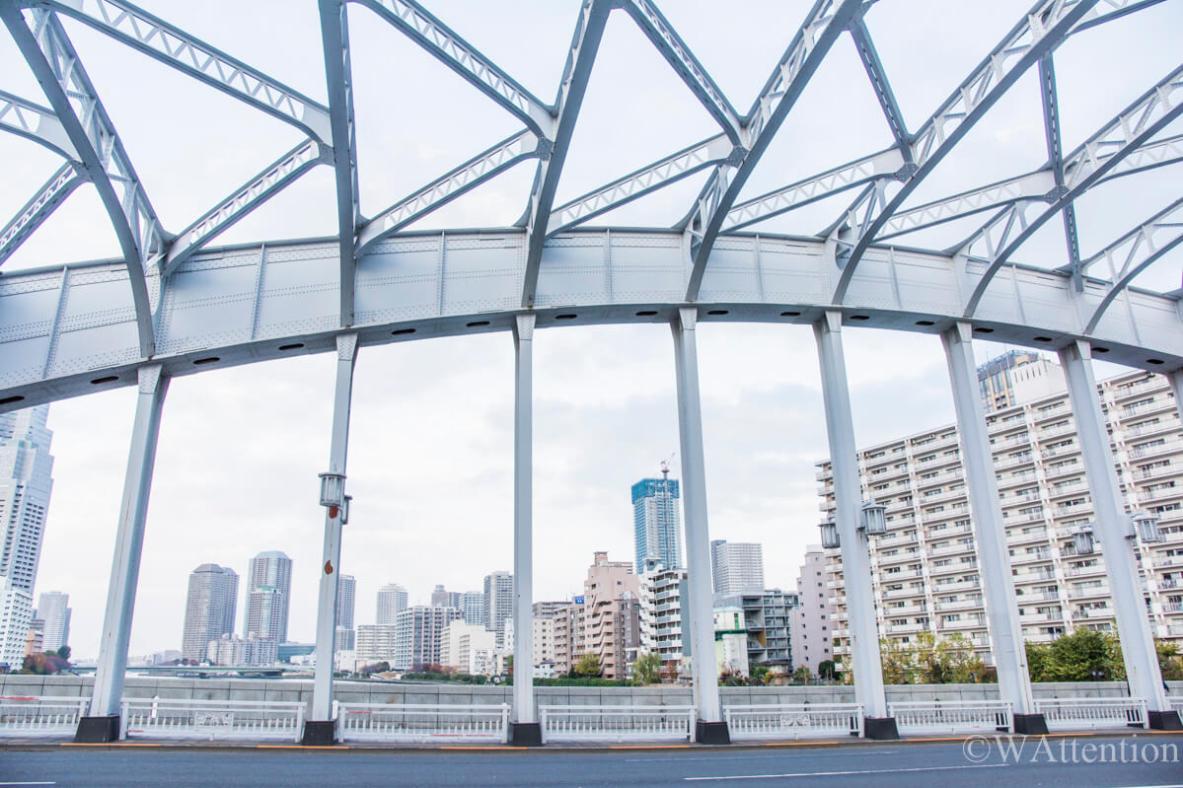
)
(1055, 763)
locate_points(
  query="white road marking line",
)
(43, 782)
(847, 773)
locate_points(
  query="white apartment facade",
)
(466, 647)
(737, 567)
(925, 574)
(810, 626)
(662, 593)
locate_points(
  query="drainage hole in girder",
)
(1043, 339)
(292, 346)
(209, 360)
(567, 316)
(717, 312)
(478, 323)
(1154, 361)
(983, 330)
(400, 332)
(647, 313)
(104, 379)
(790, 314)
(10, 400)
(1100, 350)
(925, 323)
(860, 317)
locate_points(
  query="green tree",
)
(1170, 662)
(826, 670)
(588, 666)
(647, 669)
(802, 675)
(64, 652)
(760, 675)
(1037, 657)
(898, 661)
(1085, 655)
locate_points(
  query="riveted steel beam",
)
(39, 208)
(36, 123)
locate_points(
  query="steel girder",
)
(36, 123)
(174, 47)
(1134, 252)
(1055, 153)
(1042, 28)
(55, 191)
(57, 68)
(1125, 133)
(822, 26)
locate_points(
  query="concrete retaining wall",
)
(399, 692)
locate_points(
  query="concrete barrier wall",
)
(409, 692)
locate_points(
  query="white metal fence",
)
(1176, 702)
(1072, 713)
(422, 722)
(952, 716)
(30, 715)
(616, 723)
(211, 719)
(794, 720)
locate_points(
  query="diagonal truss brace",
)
(589, 30)
(637, 184)
(472, 173)
(334, 31)
(258, 190)
(174, 47)
(55, 191)
(671, 46)
(1090, 162)
(822, 26)
(1038, 33)
(1135, 251)
(882, 86)
(55, 64)
(457, 54)
(36, 123)
(1055, 153)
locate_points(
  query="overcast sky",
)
(430, 464)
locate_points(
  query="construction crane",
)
(665, 465)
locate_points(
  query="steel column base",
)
(525, 734)
(880, 728)
(1164, 720)
(319, 733)
(95, 730)
(711, 732)
(1030, 724)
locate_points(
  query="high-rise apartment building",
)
(392, 600)
(810, 625)
(498, 603)
(737, 567)
(346, 607)
(269, 591)
(234, 651)
(557, 633)
(467, 647)
(611, 615)
(657, 522)
(924, 569)
(210, 608)
(26, 482)
(418, 632)
(766, 616)
(441, 597)
(665, 631)
(376, 643)
(53, 608)
(1016, 376)
(472, 605)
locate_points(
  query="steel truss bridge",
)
(175, 304)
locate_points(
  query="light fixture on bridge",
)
(1082, 541)
(873, 520)
(829, 534)
(1144, 526)
(332, 490)
(345, 509)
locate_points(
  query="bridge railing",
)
(794, 720)
(36, 715)
(1076, 713)
(211, 719)
(422, 721)
(616, 723)
(952, 716)
(1176, 702)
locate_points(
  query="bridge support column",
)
(524, 729)
(1002, 610)
(103, 722)
(319, 729)
(1113, 529)
(856, 560)
(711, 728)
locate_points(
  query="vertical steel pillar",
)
(856, 560)
(1002, 611)
(1112, 528)
(524, 730)
(319, 728)
(711, 728)
(103, 722)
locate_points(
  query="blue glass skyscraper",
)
(657, 522)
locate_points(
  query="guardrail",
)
(211, 719)
(34, 715)
(616, 723)
(1176, 702)
(945, 716)
(794, 720)
(1070, 713)
(422, 721)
